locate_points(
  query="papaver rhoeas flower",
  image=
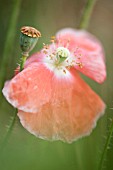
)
(53, 102)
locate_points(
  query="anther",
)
(79, 64)
(52, 39)
(64, 71)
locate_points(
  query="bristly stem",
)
(83, 25)
(22, 62)
(86, 14)
(10, 127)
(5, 59)
(106, 147)
(9, 131)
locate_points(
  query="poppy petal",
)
(29, 89)
(88, 49)
(35, 58)
(70, 113)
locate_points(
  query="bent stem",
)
(83, 25)
(8, 47)
(86, 14)
(106, 147)
(7, 51)
(9, 131)
(10, 128)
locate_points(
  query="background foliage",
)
(24, 151)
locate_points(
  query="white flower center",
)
(62, 52)
(59, 61)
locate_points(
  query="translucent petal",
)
(88, 49)
(70, 113)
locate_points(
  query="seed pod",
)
(28, 39)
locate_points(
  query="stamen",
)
(52, 39)
(46, 48)
(68, 42)
(45, 52)
(79, 64)
(64, 71)
(68, 67)
(59, 58)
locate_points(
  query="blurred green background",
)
(23, 151)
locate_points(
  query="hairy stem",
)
(5, 59)
(22, 62)
(106, 147)
(86, 14)
(9, 41)
(9, 131)
(10, 127)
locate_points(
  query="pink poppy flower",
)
(53, 102)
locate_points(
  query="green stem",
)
(23, 59)
(8, 48)
(106, 147)
(83, 25)
(22, 62)
(9, 131)
(86, 14)
(9, 41)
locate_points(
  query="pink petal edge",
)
(90, 52)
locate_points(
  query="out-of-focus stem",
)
(9, 41)
(106, 147)
(9, 131)
(5, 59)
(86, 14)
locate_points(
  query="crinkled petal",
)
(88, 49)
(29, 89)
(70, 113)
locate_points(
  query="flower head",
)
(53, 102)
(28, 39)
